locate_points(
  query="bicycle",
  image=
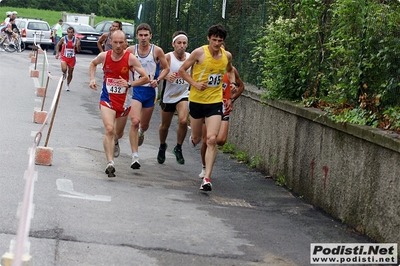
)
(11, 44)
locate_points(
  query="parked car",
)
(86, 33)
(34, 30)
(128, 28)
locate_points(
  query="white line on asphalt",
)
(36, 83)
(65, 185)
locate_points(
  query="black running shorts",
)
(199, 110)
(170, 107)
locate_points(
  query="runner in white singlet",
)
(174, 97)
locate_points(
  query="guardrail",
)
(19, 251)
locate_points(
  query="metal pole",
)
(43, 70)
(240, 66)
(36, 55)
(53, 116)
(45, 92)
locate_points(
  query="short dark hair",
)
(143, 26)
(176, 33)
(218, 31)
(71, 28)
(60, 20)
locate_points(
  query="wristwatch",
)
(129, 84)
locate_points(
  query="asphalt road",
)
(152, 216)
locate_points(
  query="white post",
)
(223, 8)
(177, 9)
(140, 11)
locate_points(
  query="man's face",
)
(70, 33)
(118, 43)
(114, 27)
(144, 37)
(180, 45)
(215, 42)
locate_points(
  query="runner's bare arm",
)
(170, 77)
(99, 59)
(78, 45)
(159, 53)
(101, 41)
(58, 47)
(229, 68)
(239, 88)
(194, 57)
(135, 65)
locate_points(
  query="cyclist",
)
(9, 30)
(15, 29)
(8, 14)
(14, 26)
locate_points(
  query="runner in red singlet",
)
(115, 97)
(69, 46)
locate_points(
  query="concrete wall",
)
(352, 172)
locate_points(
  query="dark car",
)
(128, 28)
(86, 33)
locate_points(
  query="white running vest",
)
(149, 64)
(179, 89)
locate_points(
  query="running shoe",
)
(116, 149)
(179, 156)
(206, 184)
(191, 144)
(140, 139)
(110, 169)
(67, 89)
(203, 173)
(161, 154)
(135, 162)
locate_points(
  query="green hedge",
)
(341, 56)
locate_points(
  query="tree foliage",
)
(108, 8)
(340, 55)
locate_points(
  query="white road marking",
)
(36, 83)
(65, 185)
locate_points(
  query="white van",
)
(34, 30)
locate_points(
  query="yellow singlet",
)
(211, 71)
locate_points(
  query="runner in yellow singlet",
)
(209, 63)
